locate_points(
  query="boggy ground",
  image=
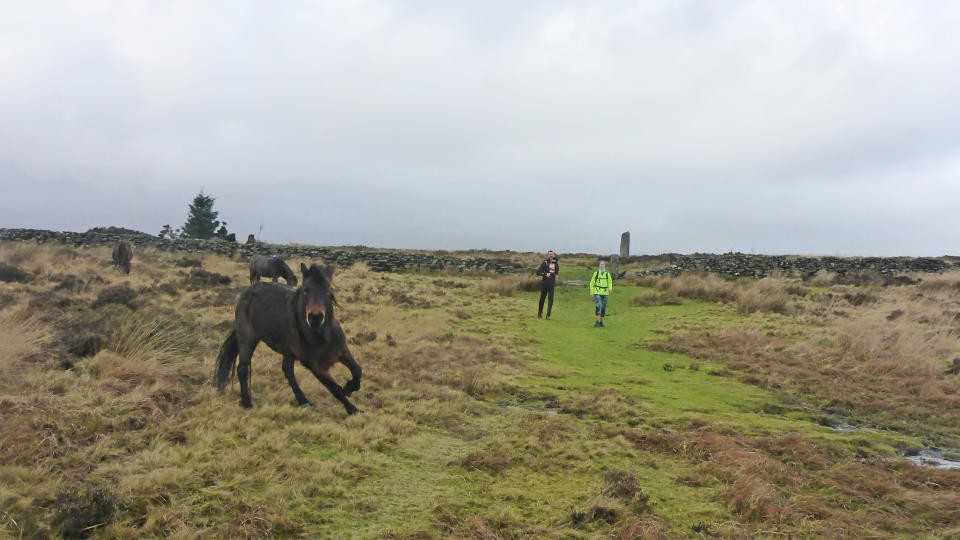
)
(705, 408)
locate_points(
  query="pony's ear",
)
(304, 270)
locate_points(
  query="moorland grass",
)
(699, 419)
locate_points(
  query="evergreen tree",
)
(202, 218)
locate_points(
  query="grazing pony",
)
(297, 323)
(261, 266)
(122, 255)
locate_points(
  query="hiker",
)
(600, 286)
(549, 269)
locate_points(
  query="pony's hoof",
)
(246, 404)
(355, 411)
(307, 405)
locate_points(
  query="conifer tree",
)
(202, 218)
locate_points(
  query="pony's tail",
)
(226, 361)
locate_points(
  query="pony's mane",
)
(321, 274)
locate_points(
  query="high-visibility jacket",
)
(601, 282)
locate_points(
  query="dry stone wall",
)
(380, 261)
(729, 264)
(742, 264)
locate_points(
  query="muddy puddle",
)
(528, 408)
(933, 457)
(936, 458)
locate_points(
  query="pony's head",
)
(286, 273)
(317, 295)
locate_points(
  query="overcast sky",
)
(762, 126)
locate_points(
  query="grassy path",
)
(671, 386)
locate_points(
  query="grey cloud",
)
(815, 127)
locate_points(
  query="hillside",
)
(707, 407)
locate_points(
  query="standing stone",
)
(625, 244)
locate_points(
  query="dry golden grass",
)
(823, 278)
(123, 417)
(509, 285)
(158, 338)
(140, 421)
(22, 335)
(657, 299)
(880, 352)
(695, 286)
(768, 295)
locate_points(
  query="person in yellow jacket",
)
(600, 286)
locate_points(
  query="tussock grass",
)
(865, 352)
(22, 337)
(861, 359)
(699, 287)
(509, 285)
(151, 337)
(946, 283)
(657, 299)
(768, 295)
(823, 278)
(140, 417)
(470, 429)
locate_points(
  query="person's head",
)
(603, 265)
(551, 255)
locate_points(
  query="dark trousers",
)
(546, 289)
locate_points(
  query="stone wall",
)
(729, 264)
(381, 261)
(741, 264)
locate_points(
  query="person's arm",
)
(593, 281)
(542, 269)
(556, 268)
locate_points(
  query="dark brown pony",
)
(297, 323)
(272, 267)
(122, 255)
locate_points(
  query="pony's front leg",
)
(288, 361)
(355, 372)
(243, 373)
(335, 389)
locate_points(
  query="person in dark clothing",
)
(548, 271)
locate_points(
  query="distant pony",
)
(297, 323)
(271, 267)
(122, 255)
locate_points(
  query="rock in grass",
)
(954, 368)
(120, 294)
(80, 510)
(201, 278)
(10, 273)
